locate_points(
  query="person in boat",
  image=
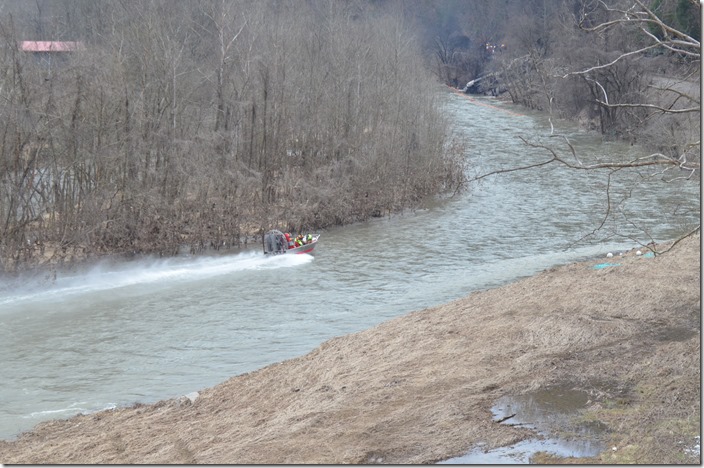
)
(309, 239)
(299, 240)
(289, 240)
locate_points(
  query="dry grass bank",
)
(419, 388)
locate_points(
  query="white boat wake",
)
(103, 276)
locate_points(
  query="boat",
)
(275, 243)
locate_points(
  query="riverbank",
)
(419, 388)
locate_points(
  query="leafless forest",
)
(159, 125)
(198, 122)
(627, 68)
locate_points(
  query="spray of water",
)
(107, 276)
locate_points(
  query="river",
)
(113, 334)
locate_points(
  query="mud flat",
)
(619, 336)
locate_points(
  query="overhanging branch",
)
(652, 106)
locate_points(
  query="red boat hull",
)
(307, 248)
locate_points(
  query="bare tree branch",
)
(617, 59)
(653, 160)
(678, 240)
(514, 169)
(651, 106)
(607, 213)
(639, 14)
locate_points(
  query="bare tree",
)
(194, 124)
(661, 112)
(673, 97)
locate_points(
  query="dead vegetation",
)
(192, 124)
(419, 388)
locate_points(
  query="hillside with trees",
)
(198, 123)
(629, 69)
(154, 126)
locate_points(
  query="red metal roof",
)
(50, 46)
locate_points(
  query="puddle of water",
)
(521, 452)
(547, 411)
